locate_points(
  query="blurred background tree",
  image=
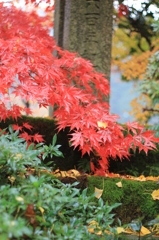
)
(134, 39)
(149, 87)
(135, 52)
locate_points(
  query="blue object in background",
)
(121, 95)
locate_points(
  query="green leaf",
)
(54, 140)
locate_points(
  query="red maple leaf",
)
(27, 126)
(27, 111)
(37, 138)
(16, 127)
(77, 139)
(25, 136)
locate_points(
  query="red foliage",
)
(37, 138)
(16, 127)
(27, 126)
(26, 136)
(123, 10)
(31, 71)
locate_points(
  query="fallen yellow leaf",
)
(144, 231)
(141, 178)
(57, 173)
(41, 210)
(11, 179)
(93, 225)
(155, 194)
(73, 173)
(151, 178)
(64, 174)
(93, 222)
(18, 156)
(98, 192)
(120, 230)
(129, 231)
(19, 199)
(119, 184)
(102, 124)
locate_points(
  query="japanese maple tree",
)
(32, 67)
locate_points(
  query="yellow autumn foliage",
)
(122, 44)
(135, 67)
(137, 105)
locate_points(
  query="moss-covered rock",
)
(135, 197)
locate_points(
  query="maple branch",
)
(150, 109)
(31, 74)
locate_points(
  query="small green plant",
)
(52, 149)
(17, 156)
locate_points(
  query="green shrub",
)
(60, 211)
(35, 205)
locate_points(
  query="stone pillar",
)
(85, 26)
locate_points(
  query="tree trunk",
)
(85, 26)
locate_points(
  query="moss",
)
(111, 193)
(135, 197)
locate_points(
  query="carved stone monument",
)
(85, 26)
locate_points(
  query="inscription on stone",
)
(87, 30)
(92, 16)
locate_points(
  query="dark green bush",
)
(138, 163)
(48, 128)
